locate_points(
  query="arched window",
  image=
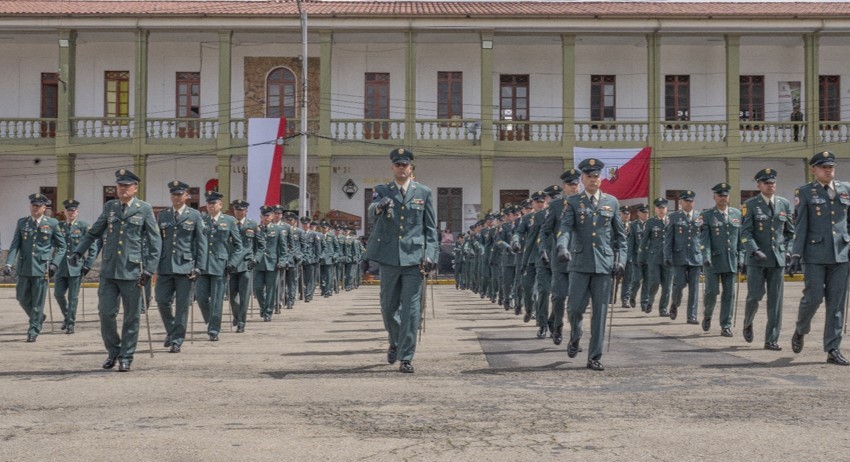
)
(280, 93)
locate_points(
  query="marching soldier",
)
(682, 251)
(405, 243)
(767, 233)
(327, 259)
(541, 260)
(289, 273)
(720, 238)
(527, 234)
(184, 253)
(517, 244)
(485, 238)
(821, 244)
(625, 293)
(224, 251)
(658, 272)
(296, 241)
(131, 249)
(38, 248)
(312, 251)
(351, 258)
(508, 260)
(253, 244)
(69, 278)
(560, 286)
(638, 278)
(269, 264)
(592, 239)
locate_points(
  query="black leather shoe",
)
(392, 354)
(558, 335)
(772, 346)
(625, 304)
(64, 326)
(277, 310)
(796, 342)
(406, 367)
(166, 343)
(213, 337)
(527, 316)
(234, 323)
(541, 332)
(693, 321)
(267, 318)
(674, 311)
(726, 332)
(109, 363)
(663, 314)
(123, 366)
(30, 338)
(240, 329)
(517, 310)
(748, 335)
(595, 365)
(835, 357)
(289, 306)
(632, 303)
(706, 324)
(572, 348)
(69, 330)
(174, 349)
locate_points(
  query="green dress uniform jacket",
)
(720, 240)
(682, 247)
(184, 242)
(253, 243)
(658, 274)
(274, 250)
(35, 247)
(224, 244)
(74, 233)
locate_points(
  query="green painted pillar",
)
(486, 184)
(733, 177)
(811, 109)
(653, 104)
(488, 111)
(223, 139)
(733, 110)
(65, 160)
(568, 98)
(324, 143)
(410, 135)
(140, 98)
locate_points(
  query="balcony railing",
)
(527, 130)
(29, 130)
(448, 129)
(772, 132)
(834, 132)
(102, 127)
(180, 129)
(681, 131)
(367, 129)
(611, 131)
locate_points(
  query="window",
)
(110, 193)
(188, 95)
(450, 95)
(830, 97)
(280, 94)
(672, 195)
(117, 97)
(513, 100)
(677, 97)
(49, 103)
(377, 105)
(752, 97)
(603, 97)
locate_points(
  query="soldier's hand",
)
(428, 265)
(297, 260)
(795, 265)
(383, 204)
(564, 255)
(544, 257)
(619, 270)
(668, 262)
(759, 256)
(230, 269)
(193, 275)
(741, 265)
(144, 278)
(85, 270)
(75, 259)
(706, 264)
(51, 270)
(251, 264)
(7, 270)
(280, 265)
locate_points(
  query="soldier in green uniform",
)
(485, 239)
(253, 244)
(277, 220)
(327, 259)
(38, 248)
(540, 256)
(269, 263)
(506, 256)
(527, 234)
(767, 234)
(293, 264)
(682, 251)
(625, 293)
(821, 244)
(474, 256)
(560, 286)
(496, 261)
(658, 272)
(638, 277)
(312, 251)
(131, 248)
(69, 278)
(184, 253)
(404, 242)
(592, 239)
(224, 252)
(351, 258)
(517, 244)
(721, 256)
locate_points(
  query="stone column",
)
(324, 144)
(568, 98)
(140, 89)
(487, 144)
(653, 115)
(223, 138)
(65, 159)
(733, 124)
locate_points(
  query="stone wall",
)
(256, 70)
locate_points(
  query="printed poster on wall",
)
(789, 95)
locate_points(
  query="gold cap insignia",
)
(174, 183)
(401, 150)
(122, 172)
(767, 171)
(592, 162)
(724, 186)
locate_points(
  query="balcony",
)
(27, 131)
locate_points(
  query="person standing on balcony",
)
(796, 116)
(69, 278)
(682, 251)
(405, 243)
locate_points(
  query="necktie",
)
(402, 192)
(593, 201)
(770, 206)
(829, 191)
(123, 208)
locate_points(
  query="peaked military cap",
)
(213, 196)
(590, 166)
(305, 220)
(290, 215)
(489, 217)
(553, 190)
(538, 196)
(722, 189)
(401, 156)
(266, 209)
(526, 204)
(124, 176)
(71, 204)
(624, 209)
(571, 176)
(325, 224)
(240, 204)
(277, 208)
(660, 202)
(314, 223)
(687, 195)
(824, 158)
(39, 199)
(642, 208)
(767, 175)
(177, 187)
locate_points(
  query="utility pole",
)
(302, 177)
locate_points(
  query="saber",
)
(146, 303)
(191, 312)
(49, 301)
(613, 297)
(422, 301)
(83, 290)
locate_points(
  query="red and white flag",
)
(265, 161)
(626, 172)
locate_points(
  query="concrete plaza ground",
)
(314, 385)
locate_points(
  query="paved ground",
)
(313, 385)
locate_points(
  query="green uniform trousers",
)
(291, 286)
(637, 281)
(544, 286)
(519, 288)
(529, 278)
(495, 282)
(713, 282)
(327, 280)
(595, 288)
(239, 293)
(771, 280)
(824, 282)
(686, 276)
(309, 274)
(30, 291)
(349, 275)
(265, 290)
(657, 276)
(401, 292)
(210, 295)
(626, 284)
(69, 285)
(560, 290)
(508, 276)
(176, 288)
(111, 294)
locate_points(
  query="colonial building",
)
(492, 97)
